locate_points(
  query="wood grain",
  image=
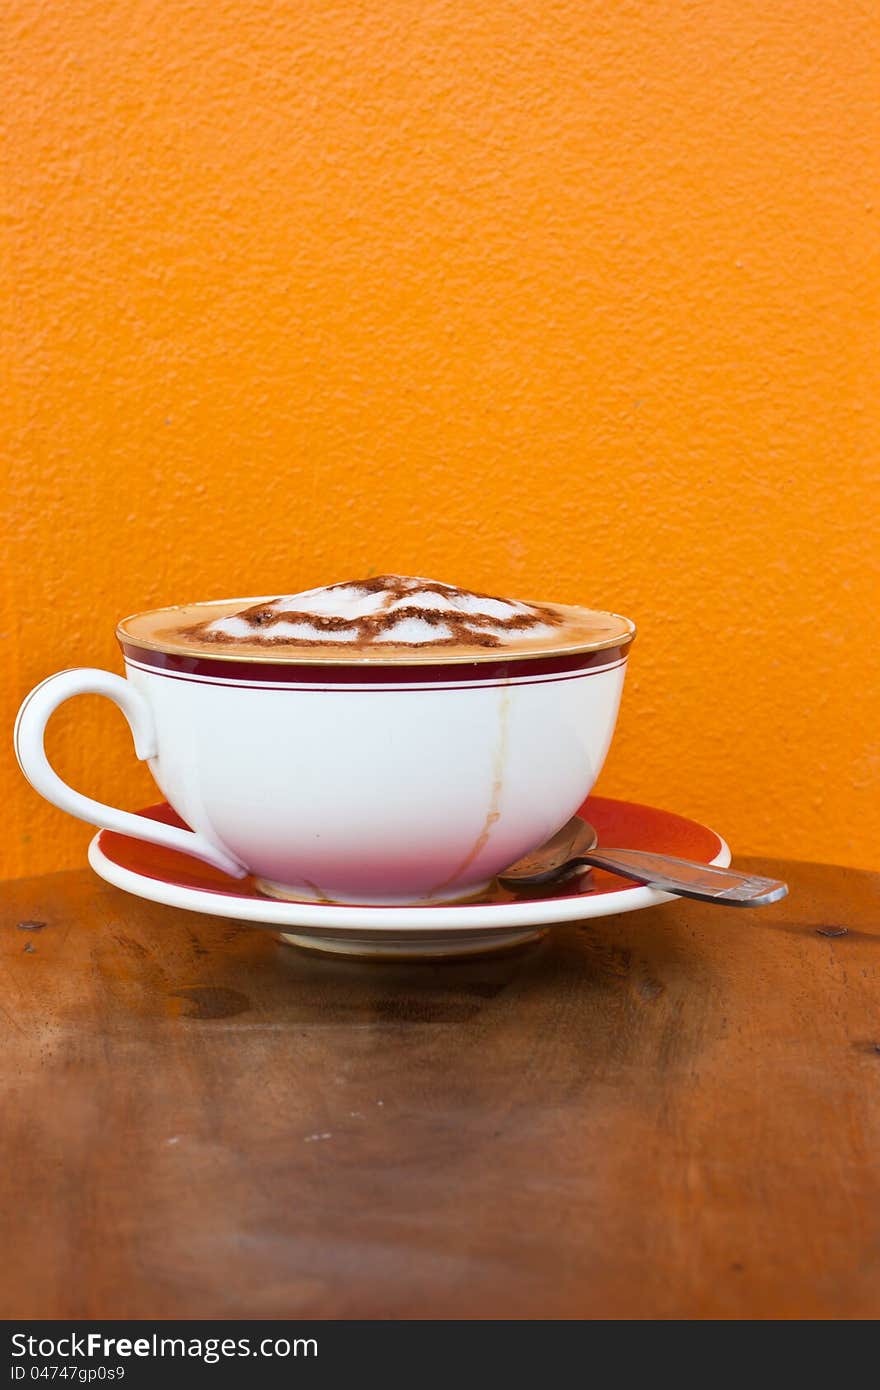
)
(672, 1114)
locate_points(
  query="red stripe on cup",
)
(372, 673)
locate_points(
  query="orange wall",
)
(570, 300)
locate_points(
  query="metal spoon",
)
(575, 844)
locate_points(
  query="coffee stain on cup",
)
(497, 785)
(318, 892)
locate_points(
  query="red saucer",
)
(619, 824)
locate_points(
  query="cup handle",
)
(30, 728)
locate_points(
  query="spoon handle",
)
(686, 879)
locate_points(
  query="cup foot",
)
(311, 893)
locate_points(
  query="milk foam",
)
(389, 609)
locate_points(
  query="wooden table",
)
(671, 1114)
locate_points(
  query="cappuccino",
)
(385, 619)
(346, 745)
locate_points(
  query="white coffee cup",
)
(362, 782)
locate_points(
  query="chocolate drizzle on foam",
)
(388, 609)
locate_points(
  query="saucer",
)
(497, 920)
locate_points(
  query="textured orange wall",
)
(572, 300)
